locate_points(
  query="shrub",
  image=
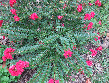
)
(44, 31)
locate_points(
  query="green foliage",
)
(48, 57)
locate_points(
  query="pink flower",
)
(56, 81)
(4, 58)
(2, 4)
(17, 69)
(95, 39)
(79, 8)
(98, 38)
(98, 3)
(51, 81)
(33, 16)
(26, 64)
(94, 52)
(16, 18)
(92, 14)
(20, 64)
(3, 37)
(65, 6)
(74, 47)
(13, 70)
(84, 26)
(90, 4)
(8, 54)
(1, 21)
(99, 48)
(100, 22)
(13, 11)
(89, 63)
(90, 25)
(63, 24)
(67, 53)
(60, 17)
(87, 16)
(11, 2)
(81, 71)
(98, 33)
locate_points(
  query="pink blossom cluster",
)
(99, 48)
(67, 53)
(13, 11)
(8, 54)
(79, 8)
(90, 4)
(89, 16)
(60, 17)
(94, 52)
(89, 63)
(33, 16)
(89, 25)
(64, 6)
(98, 3)
(98, 38)
(81, 71)
(1, 21)
(53, 81)
(12, 2)
(17, 69)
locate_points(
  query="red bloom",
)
(94, 52)
(98, 3)
(33, 16)
(90, 4)
(63, 24)
(81, 71)
(11, 2)
(8, 54)
(99, 48)
(16, 18)
(56, 81)
(79, 8)
(100, 22)
(60, 17)
(87, 16)
(89, 63)
(84, 26)
(67, 53)
(95, 39)
(13, 70)
(52, 81)
(98, 38)
(74, 47)
(65, 6)
(90, 25)
(13, 11)
(1, 21)
(2, 4)
(3, 37)
(17, 69)
(92, 14)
